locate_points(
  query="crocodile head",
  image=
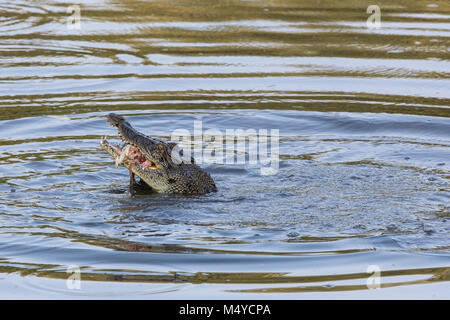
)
(151, 160)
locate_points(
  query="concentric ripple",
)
(363, 177)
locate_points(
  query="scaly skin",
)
(153, 163)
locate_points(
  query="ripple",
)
(364, 147)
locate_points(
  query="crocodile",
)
(151, 160)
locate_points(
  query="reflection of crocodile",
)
(151, 160)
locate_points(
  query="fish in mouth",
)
(151, 160)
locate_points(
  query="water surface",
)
(363, 180)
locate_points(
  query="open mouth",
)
(151, 160)
(128, 154)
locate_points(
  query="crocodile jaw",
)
(127, 156)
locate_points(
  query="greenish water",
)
(363, 180)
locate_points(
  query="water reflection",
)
(364, 147)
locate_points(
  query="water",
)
(363, 179)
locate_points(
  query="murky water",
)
(363, 180)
